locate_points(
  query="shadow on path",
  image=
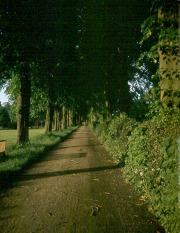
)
(67, 172)
(66, 147)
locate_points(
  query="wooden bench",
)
(2, 147)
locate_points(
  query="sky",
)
(3, 96)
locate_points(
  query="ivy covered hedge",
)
(114, 135)
(149, 151)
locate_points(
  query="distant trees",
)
(4, 116)
(109, 47)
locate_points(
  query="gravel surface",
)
(77, 188)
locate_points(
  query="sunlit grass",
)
(18, 156)
(11, 135)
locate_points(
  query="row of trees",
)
(76, 60)
(37, 48)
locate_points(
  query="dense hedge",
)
(150, 151)
(152, 165)
(114, 135)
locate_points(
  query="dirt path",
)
(76, 189)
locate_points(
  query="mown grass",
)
(19, 157)
(10, 135)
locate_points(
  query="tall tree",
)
(20, 39)
(168, 50)
(161, 39)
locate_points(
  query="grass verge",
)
(11, 135)
(20, 157)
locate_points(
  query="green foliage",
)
(114, 135)
(160, 43)
(150, 151)
(107, 55)
(4, 117)
(101, 130)
(152, 166)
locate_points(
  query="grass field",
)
(20, 156)
(11, 135)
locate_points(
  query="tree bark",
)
(49, 118)
(57, 120)
(55, 125)
(23, 105)
(64, 117)
(67, 117)
(70, 117)
(169, 69)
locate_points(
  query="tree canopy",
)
(75, 61)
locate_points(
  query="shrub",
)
(150, 151)
(152, 166)
(114, 135)
(12, 125)
(101, 130)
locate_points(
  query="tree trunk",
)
(51, 107)
(67, 116)
(107, 112)
(49, 118)
(64, 117)
(169, 84)
(23, 105)
(70, 117)
(55, 125)
(57, 120)
(60, 119)
(92, 117)
(169, 69)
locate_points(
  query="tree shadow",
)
(57, 156)
(65, 147)
(79, 137)
(25, 177)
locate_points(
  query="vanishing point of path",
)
(77, 188)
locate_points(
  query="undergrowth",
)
(149, 152)
(114, 135)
